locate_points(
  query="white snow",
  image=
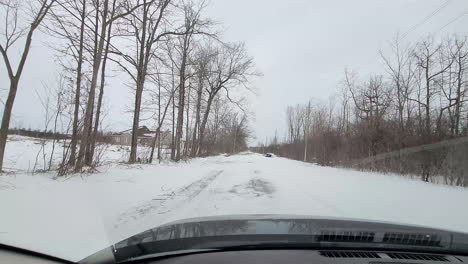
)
(25, 154)
(76, 216)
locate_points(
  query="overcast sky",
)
(300, 46)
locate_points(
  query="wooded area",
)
(183, 76)
(419, 100)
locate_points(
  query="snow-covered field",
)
(26, 154)
(76, 216)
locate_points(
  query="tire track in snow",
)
(169, 201)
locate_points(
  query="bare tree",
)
(74, 139)
(296, 122)
(227, 129)
(146, 26)
(229, 66)
(393, 117)
(426, 58)
(371, 101)
(400, 71)
(103, 81)
(193, 24)
(12, 32)
(51, 100)
(201, 60)
(84, 154)
(460, 54)
(307, 124)
(105, 16)
(63, 25)
(161, 115)
(58, 112)
(48, 108)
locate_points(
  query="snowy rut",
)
(166, 202)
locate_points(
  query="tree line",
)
(182, 75)
(419, 99)
(49, 134)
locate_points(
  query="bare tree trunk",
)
(201, 137)
(101, 90)
(180, 115)
(74, 139)
(160, 122)
(136, 121)
(88, 155)
(235, 136)
(87, 124)
(135, 125)
(153, 144)
(159, 147)
(460, 80)
(180, 121)
(427, 106)
(306, 130)
(57, 114)
(187, 134)
(145, 43)
(173, 116)
(157, 137)
(92, 94)
(196, 128)
(158, 132)
(6, 118)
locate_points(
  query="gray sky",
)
(300, 46)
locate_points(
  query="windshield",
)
(119, 116)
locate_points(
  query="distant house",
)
(145, 137)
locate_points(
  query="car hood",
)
(315, 232)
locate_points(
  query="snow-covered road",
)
(74, 217)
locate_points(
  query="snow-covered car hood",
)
(234, 230)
